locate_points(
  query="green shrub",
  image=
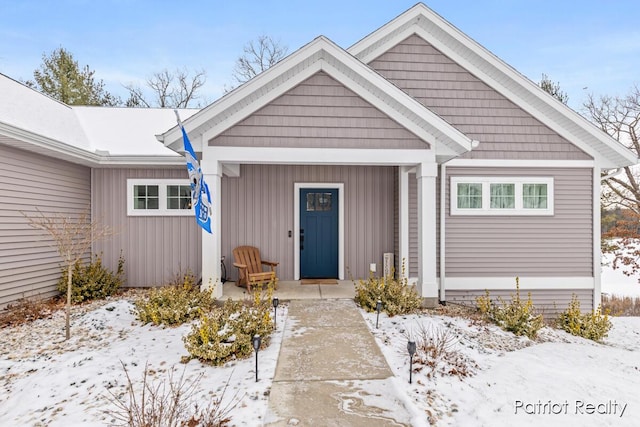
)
(516, 316)
(174, 304)
(92, 281)
(594, 326)
(396, 295)
(226, 332)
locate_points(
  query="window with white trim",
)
(158, 197)
(501, 195)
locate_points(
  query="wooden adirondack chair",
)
(247, 259)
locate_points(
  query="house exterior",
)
(415, 141)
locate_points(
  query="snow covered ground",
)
(615, 282)
(556, 380)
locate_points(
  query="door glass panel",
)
(318, 202)
(323, 201)
(311, 202)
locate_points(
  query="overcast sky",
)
(588, 46)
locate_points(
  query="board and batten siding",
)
(257, 210)
(534, 246)
(29, 265)
(155, 248)
(319, 113)
(505, 131)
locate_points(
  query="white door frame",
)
(296, 223)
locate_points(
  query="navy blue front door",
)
(318, 233)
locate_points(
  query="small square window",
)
(469, 196)
(503, 196)
(534, 196)
(178, 197)
(158, 197)
(145, 196)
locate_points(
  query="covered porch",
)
(309, 122)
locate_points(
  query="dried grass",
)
(621, 306)
(27, 310)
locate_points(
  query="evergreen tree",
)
(60, 77)
(553, 89)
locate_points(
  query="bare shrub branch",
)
(72, 236)
(167, 403)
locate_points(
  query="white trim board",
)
(509, 283)
(296, 223)
(498, 163)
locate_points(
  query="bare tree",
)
(72, 237)
(620, 118)
(169, 89)
(259, 55)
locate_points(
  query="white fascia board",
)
(318, 156)
(502, 163)
(56, 148)
(141, 160)
(526, 283)
(497, 74)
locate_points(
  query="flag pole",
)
(178, 118)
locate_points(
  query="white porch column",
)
(427, 287)
(403, 220)
(211, 243)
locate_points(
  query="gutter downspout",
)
(443, 208)
(443, 216)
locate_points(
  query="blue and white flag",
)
(200, 197)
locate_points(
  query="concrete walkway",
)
(331, 372)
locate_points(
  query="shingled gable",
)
(322, 55)
(425, 23)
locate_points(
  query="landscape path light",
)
(378, 308)
(257, 341)
(411, 348)
(275, 301)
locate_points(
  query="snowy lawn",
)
(49, 382)
(556, 380)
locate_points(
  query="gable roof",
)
(91, 136)
(463, 50)
(321, 55)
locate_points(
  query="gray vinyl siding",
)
(542, 246)
(155, 248)
(29, 265)
(504, 130)
(319, 113)
(549, 302)
(257, 210)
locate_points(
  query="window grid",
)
(501, 196)
(158, 197)
(178, 197)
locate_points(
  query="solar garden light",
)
(378, 308)
(275, 301)
(411, 347)
(257, 340)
